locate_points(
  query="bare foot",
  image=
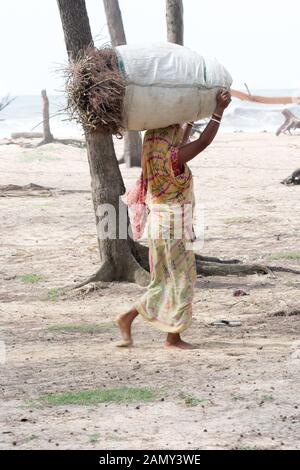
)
(179, 345)
(124, 322)
(174, 341)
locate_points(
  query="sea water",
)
(24, 114)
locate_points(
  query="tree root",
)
(212, 259)
(137, 268)
(228, 269)
(284, 270)
(108, 272)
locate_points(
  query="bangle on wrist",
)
(218, 116)
(215, 120)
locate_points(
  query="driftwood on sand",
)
(35, 190)
(26, 135)
(291, 122)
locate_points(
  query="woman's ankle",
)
(173, 338)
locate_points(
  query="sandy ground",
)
(245, 379)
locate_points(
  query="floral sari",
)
(164, 197)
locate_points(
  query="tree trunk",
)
(132, 140)
(76, 26)
(118, 256)
(48, 137)
(175, 25)
(118, 262)
(132, 149)
(114, 22)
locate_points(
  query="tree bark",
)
(175, 25)
(132, 139)
(119, 257)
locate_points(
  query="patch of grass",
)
(32, 437)
(53, 294)
(94, 438)
(37, 155)
(239, 220)
(284, 255)
(93, 397)
(114, 437)
(31, 278)
(237, 397)
(267, 398)
(191, 400)
(81, 327)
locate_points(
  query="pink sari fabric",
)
(135, 199)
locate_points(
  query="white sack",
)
(168, 84)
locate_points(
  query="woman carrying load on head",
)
(165, 188)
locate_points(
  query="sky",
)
(256, 40)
